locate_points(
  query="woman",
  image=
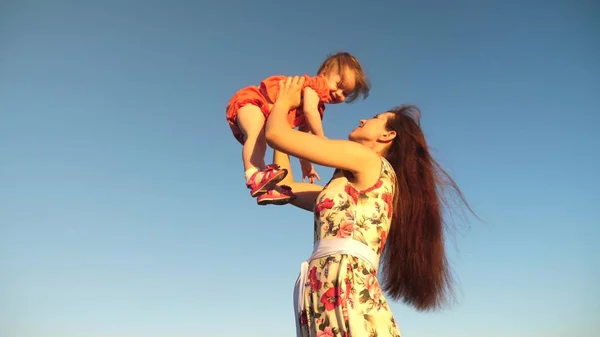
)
(384, 193)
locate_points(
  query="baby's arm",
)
(308, 169)
(310, 106)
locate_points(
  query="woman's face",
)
(371, 130)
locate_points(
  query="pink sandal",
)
(272, 174)
(279, 195)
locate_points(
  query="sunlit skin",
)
(368, 130)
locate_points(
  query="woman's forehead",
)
(382, 115)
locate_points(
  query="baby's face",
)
(340, 85)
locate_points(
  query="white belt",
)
(324, 248)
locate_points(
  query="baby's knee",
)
(251, 112)
(250, 119)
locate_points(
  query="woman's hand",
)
(290, 92)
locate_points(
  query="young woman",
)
(382, 201)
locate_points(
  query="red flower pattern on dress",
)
(344, 306)
(373, 287)
(352, 192)
(387, 198)
(348, 288)
(344, 287)
(324, 204)
(313, 278)
(327, 332)
(346, 229)
(332, 298)
(382, 239)
(377, 185)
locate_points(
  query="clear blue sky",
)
(122, 205)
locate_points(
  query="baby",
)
(339, 79)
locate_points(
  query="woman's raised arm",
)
(342, 154)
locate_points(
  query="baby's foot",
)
(277, 195)
(263, 180)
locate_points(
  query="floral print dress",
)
(342, 296)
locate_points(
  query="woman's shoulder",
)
(388, 174)
(369, 169)
(382, 178)
(370, 160)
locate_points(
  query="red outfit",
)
(266, 94)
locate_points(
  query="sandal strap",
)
(267, 174)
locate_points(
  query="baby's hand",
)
(308, 172)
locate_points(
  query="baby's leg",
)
(252, 123)
(259, 178)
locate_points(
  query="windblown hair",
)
(342, 61)
(414, 265)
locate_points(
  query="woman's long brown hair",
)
(415, 268)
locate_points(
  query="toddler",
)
(340, 78)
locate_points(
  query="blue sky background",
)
(122, 205)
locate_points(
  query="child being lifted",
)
(340, 78)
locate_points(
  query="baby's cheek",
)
(333, 86)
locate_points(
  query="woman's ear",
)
(388, 136)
